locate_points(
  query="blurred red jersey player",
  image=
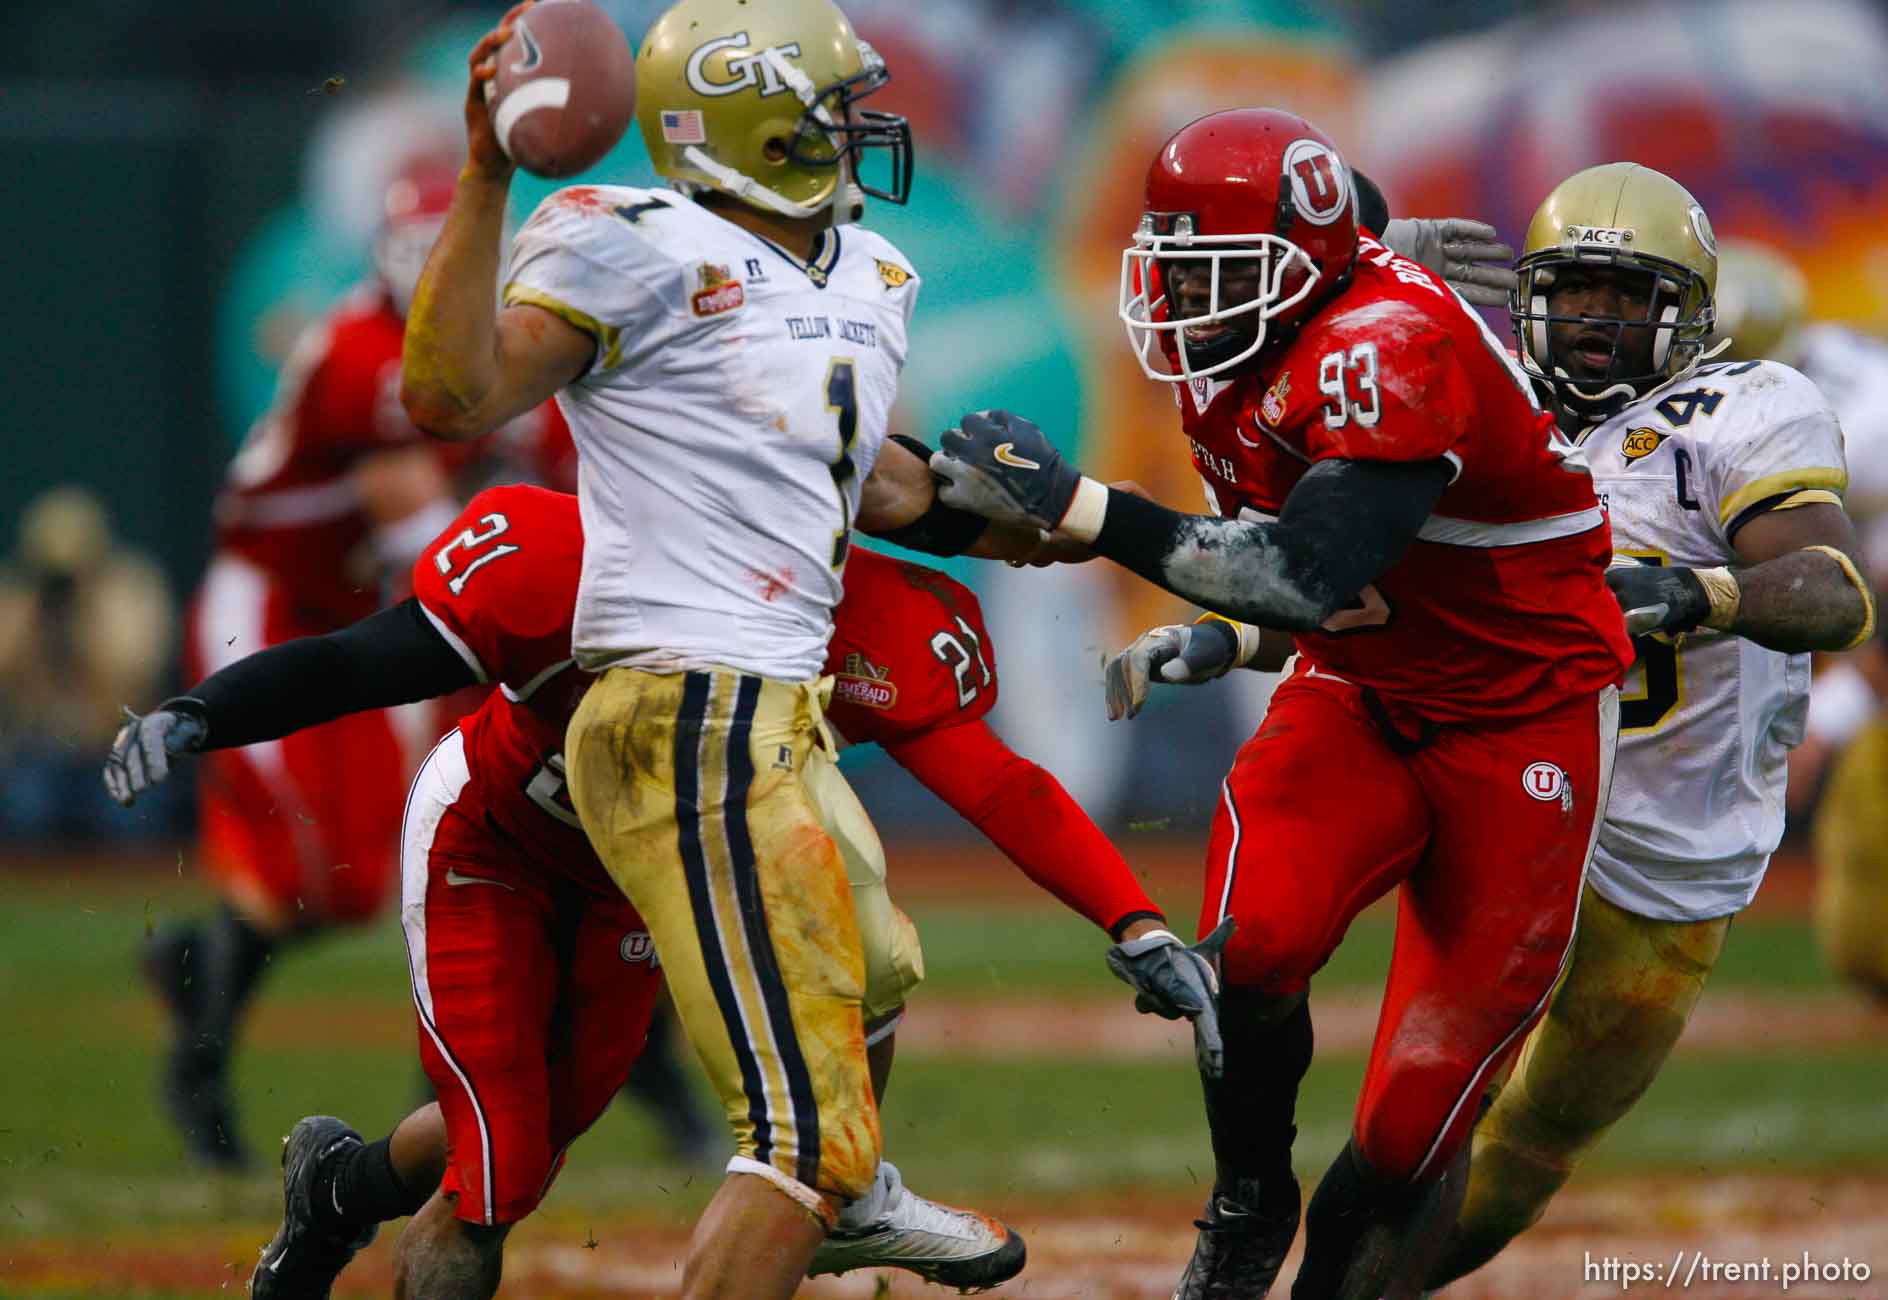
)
(332, 495)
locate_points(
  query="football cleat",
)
(304, 1257)
(939, 1243)
(1239, 1251)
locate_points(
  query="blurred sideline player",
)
(1762, 305)
(726, 353)
(1388, 488)
(1723, 483)
(513, 926)
(323, 509)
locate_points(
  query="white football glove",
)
(1185, 654)
(140, 756)
(1467, 254)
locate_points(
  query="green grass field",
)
(85, 1157)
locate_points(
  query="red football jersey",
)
(909, 652)
(288, 504)
(1500, 608)
(500, 585)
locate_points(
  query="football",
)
(565, 88)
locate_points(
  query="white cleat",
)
(939, 1243)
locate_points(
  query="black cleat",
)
(304, 1257)
(1239, 1251)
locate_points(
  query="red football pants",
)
(1487, 828)
(534, 995)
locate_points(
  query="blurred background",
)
(192, 185)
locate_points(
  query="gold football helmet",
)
(756, 101)
(1762, 303)
(1627, 216)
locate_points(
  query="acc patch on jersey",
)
(719, 291)
(864, 683)
(892, 274)
(1640, 443)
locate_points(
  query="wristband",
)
(1247, 634)
(1721, 589)
(1088, 510)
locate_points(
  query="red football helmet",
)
(1255, 187)
(415, 213)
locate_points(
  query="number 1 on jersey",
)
(842, 398)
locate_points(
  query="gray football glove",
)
(1658, 598)
(1175, 981)
(140, 756)
(1004, 468)
(1183, 653)
(1467, 254)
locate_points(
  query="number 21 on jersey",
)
(472, 558)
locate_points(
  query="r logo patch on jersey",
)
(719, 291)
(1272, 409)
(1640, 443)
(894, 275)
(865, 683)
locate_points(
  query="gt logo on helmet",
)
(747, 68)
(1320, 183)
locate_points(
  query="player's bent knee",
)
(894, 962)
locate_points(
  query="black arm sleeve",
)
(1344, 523)
(1373, 210)
(940, 530)
(393, 657)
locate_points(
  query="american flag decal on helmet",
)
(683, 126)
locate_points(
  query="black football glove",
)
(1175, 981)
(1183, 653)
(140, 756)
(1004, 468)
(1658, 598)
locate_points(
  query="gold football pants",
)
(1850, 837)
(1621, 1006)
(894, 961)
(692, 788)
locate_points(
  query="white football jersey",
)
(737, 402)
(1705, 727)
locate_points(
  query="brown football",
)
(565, 89)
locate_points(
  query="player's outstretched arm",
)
(392, 657)
(466, 367)
(1801, 591)
(1342, 525)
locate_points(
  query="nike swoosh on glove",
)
(1468, 254)
(140, 755)
(1185, 654)
(1175, 981)
(1003, 467)
(1658, 598)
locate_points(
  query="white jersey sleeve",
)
(1706, 725)
(1778, 438)
(582, 258)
